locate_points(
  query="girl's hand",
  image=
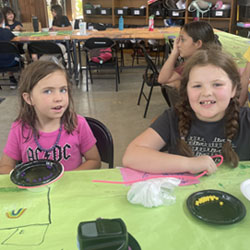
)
(18, 28)
(202, 163)
(175, 47)
(6, 164)
(54, 28)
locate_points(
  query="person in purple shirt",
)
(47, 126)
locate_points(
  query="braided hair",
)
(185, 113)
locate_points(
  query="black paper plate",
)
(229, 211)
(36, 173)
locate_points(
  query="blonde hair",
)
(224, 61)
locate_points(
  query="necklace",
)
(55, 144)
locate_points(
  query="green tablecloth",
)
(49, 220)
(40, 33)
(235, 45)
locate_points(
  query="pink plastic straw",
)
(183, 177)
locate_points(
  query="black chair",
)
(100, 42)
(104, 140)
(46, 48)
(123, 45)
(137, 52)
(8, 48)
(150, 77)
(170, 94)
(156, 48)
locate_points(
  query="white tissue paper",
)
(153, 192)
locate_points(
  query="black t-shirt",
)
(6, 59)
(205, 138)
(13, 26)
(62, 21)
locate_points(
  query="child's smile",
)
(209, 92)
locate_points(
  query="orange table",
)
(129, 33)
(116, 34)
(112, 33)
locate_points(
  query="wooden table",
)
(120, 35)
(129, 33)
(236, 48)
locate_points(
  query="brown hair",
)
(29, 78)
(200, 30)
(6, 10)
(224, 61)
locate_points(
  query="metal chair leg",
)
(141, 92)
(87, 84)
(148, 101)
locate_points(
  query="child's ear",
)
(233, 92)
(198, 44)
(26, 97)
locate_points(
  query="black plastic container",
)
(244, 2)
(244, 11)
(122, 11)
(105, 234)
(106, 11)
(221, 13)
(157, 13)
(176, 13)
(89, 11)
(138, 12)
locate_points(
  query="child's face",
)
(53, 13)
(10, 16)
(49, 97)
(209, 92)
(186, 45)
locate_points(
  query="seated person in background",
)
(193, 36)
(245, 91)
(60, 22)
(206, 121)
(10, 20)
(7, 60)
(47, 126)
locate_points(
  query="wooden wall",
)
(38, 8)
(31, 8)
(69, 9)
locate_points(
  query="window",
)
(77, 9)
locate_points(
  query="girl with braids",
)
(193, 36)
(206, 121)
(47, 126)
